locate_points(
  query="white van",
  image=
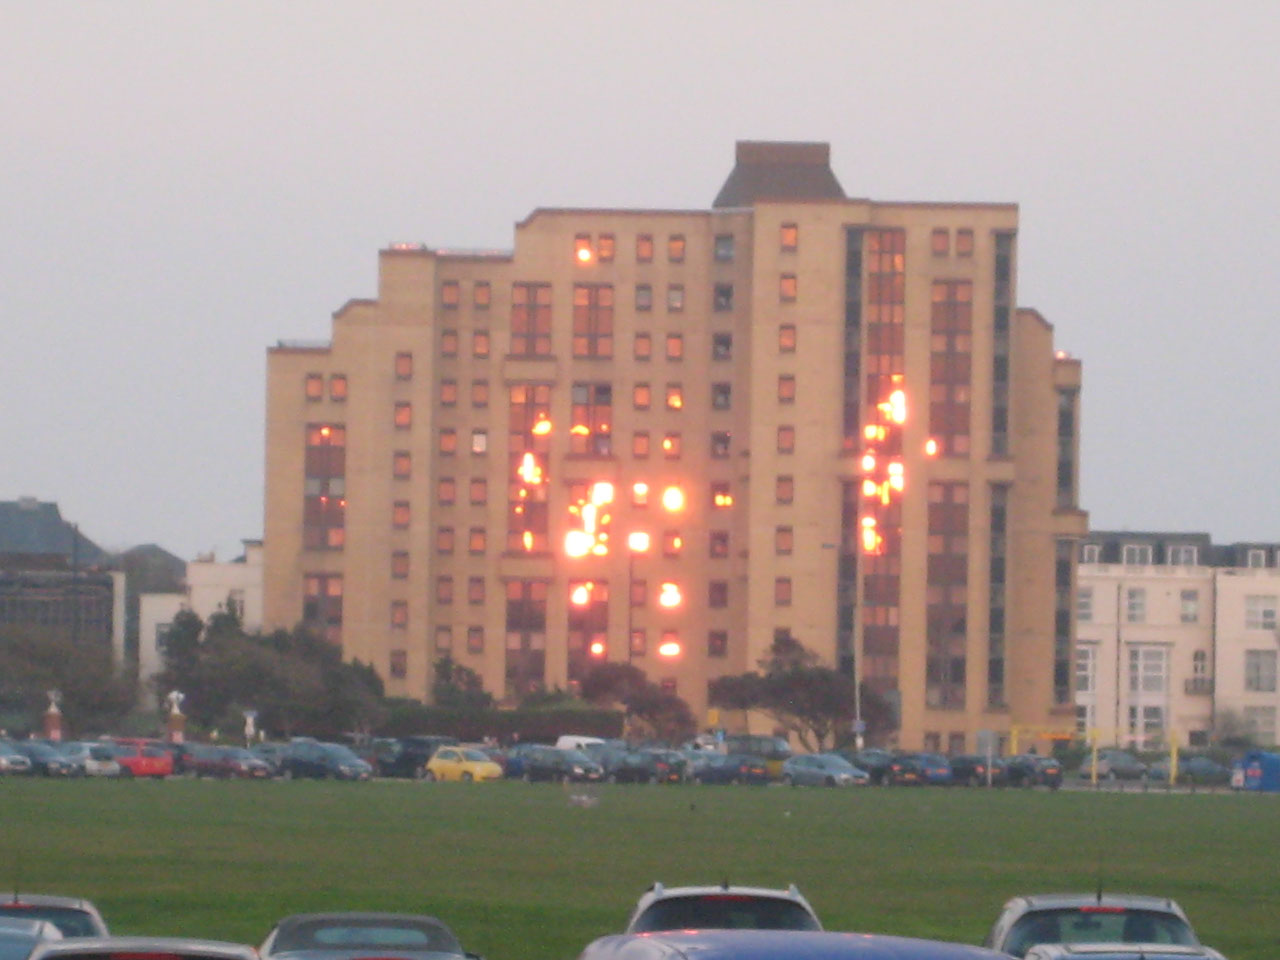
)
(571, 741)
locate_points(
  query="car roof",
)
(659, 892)
(771, 944)
(108, 946)
(1066, 901)
(26, 928)
(359, 915)
(47, 900)
(1114, 951)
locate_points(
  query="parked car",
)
(12, 760)
(1027, 921)
(229, 762)
(1114, 765)
(46, 761)
(550, 763)
(143, 948)
(1119, 951)
(462, 763)
(142, 759)
(773, 944)
(183, 755)
(872, 759)
(648, 766)
(320, 761)
(515, 756)
(1197, 770)
(271, 754)
(822, 770)
(19, 936)
(73, 916)
(340, 936)
(732, 768)
(722, 908)
(773, 750)
(971, 769)
(91, 759)
(904, 770)
(1031, 770)
(407, 756)
(935, 768)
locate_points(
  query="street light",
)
(637, 542)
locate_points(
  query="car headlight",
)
(577, 770)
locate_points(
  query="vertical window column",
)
(996, 610)
(1003, 309)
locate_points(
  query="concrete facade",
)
(746, 355)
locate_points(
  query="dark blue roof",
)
(31, 528)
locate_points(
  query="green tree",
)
(96, 695)
(459, 687)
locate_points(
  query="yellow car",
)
(462, 763)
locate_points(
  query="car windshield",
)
(576, 756)
(725, 911)
(72, 922)
(1097, 925)
(474, 755)
(372, 935)
(339, 753)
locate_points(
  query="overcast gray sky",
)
(183, 183)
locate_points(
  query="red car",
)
(142, 758)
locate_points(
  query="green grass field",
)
(520, 874)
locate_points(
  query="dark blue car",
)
(732, 768)
(776, 945)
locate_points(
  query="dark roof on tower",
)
(773, 170)
(29, 528)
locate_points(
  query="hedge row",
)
(406, 718)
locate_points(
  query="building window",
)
(480, 344)
(721, 495)
(643, 347)
(640, 444)
(592, 418)
(718, 544)
(400, 515)
(1090, 553)
(322, 603)
(789, 237)
(1260, 671)
(672, 543)
(446, 491)
(675, 297)
(671, 445)
(787, 338)
(722, 346)
(605, 247)
(400, 565)
(641, 396)
(475, 639)
(639, 494)
(951, 340)
(786, 388)
(722, 297)
(1183, 555)
(785, 489)
(479, 393)
(964, 243)
(787, 287)
(1136, 554)
(444, 540)
(644, 248)
(1260, 724)
(783, 541)
(404, 365)
(724, 247)
(481, 295)
(479, 441)
(675, 248)
(593, 320)
(314, 386)
(940, 244)
(582, 250)
(1135, 605)
(338, 387)
(324, 502)
(1260, 612)
(718, 643)
(720, 440)
(475, 591)
(479, 490)
(675, 346)
(476, 540)
(444, 590)
(444, 639)
(399, 665)
(448, 440)
(1256, 559)
(639, 643)
(718, 594)
(401, 465)
(530, 320)
(782, 591)
(448, 343)
(1190, 600)
(644, 297)
(1084, 604)
(449, 294)
(786, 439)
(721, 396)
(399, 615)
(448, 393)
(403, 417)
(1200, 665)
(675, 396)
(1086, 664)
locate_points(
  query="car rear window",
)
(385, 935)
(72, 922)
(726, 911)
(1097, 925)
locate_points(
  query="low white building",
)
(1176, 639)
(212, 587)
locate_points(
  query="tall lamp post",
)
(637, 543)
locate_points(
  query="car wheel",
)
(974, 781)
(1111, 775)
(286, 773)
(612, 778)
(126, 773)
(831, 781)
(736, 781)
(467, 777)
(429, 776)
(526, 777)
(420, 773)
(653, 778)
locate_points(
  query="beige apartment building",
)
(1176, 640)
(667, 437)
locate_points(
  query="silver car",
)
(12, 760)
(1089, 918)
(822, 770)
(1119, 951)
(143, 948)
(72, 915)
(721, 908)
(19, 936)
